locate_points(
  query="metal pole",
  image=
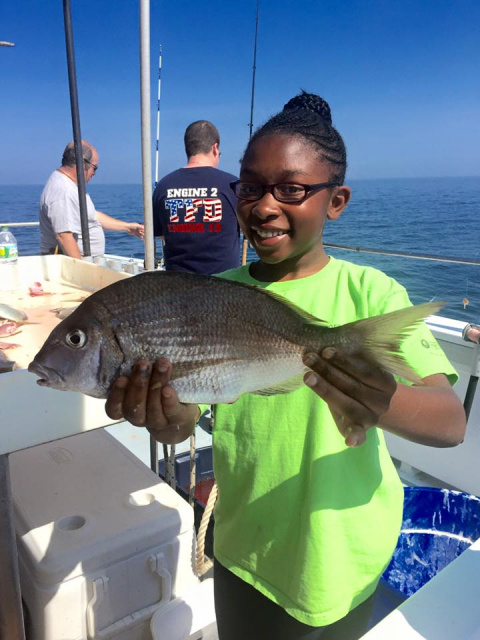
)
(471, 333)
(11, 612)
(77, 136)
(158, 113)
(146, 132)
(147, 163)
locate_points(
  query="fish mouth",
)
(48, 377)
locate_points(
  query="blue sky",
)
(401, 78)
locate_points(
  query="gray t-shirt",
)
(60, 212)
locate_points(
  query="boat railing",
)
(19, 224)
(402, 254)
(344, 247)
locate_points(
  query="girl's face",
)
(287, 237)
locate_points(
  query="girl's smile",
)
(287, 236)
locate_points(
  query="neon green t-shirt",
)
(309, 522)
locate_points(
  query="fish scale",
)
(223, 338)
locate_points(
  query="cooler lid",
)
(85, 501)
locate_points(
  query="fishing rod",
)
(158, 113)
(77, 136)
(252, 104)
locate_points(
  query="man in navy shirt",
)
(194, 208)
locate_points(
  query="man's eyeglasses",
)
(94, 166)
(283, 192)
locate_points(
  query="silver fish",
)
(9, 313)
(223, 338)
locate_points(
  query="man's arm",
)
(68, 243)
(112, 224)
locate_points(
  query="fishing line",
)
(158, 113)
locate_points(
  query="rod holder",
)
(471, 333)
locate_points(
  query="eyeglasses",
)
(284, 192)
(94, 166)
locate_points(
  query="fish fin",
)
(284, 387)
(187, 367)
(308, 317)
(382, 336)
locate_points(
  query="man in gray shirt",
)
(60, 226)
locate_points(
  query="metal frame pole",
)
(11, 611)
(147, 163)
(146, 132)
(471, 333)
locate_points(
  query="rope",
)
(171, 467)
(244, 251)
(204, 563)
(193, 471)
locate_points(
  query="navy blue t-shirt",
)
(194, 210)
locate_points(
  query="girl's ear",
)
(340, 199)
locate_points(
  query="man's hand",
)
(357, 392)
(146, 399)
(136, 229)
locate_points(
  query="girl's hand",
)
(146, 399)
(356, 391)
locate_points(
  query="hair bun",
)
(310, 102)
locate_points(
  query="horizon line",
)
(107, 184)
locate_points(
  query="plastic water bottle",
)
(8, 247)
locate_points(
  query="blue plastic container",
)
(438, 525)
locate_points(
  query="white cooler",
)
(102, 541)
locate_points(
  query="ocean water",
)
(434, 216)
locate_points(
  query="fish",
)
(63, 312)
(223, 338)
(6, 365)
(8, 345)
(9, 313)
(8, 328)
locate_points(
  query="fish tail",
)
(381, 336)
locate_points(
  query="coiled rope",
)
(203, 562)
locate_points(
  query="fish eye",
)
(76, 338)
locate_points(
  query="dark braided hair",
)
(308, 116)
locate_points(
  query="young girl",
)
(310, 504)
